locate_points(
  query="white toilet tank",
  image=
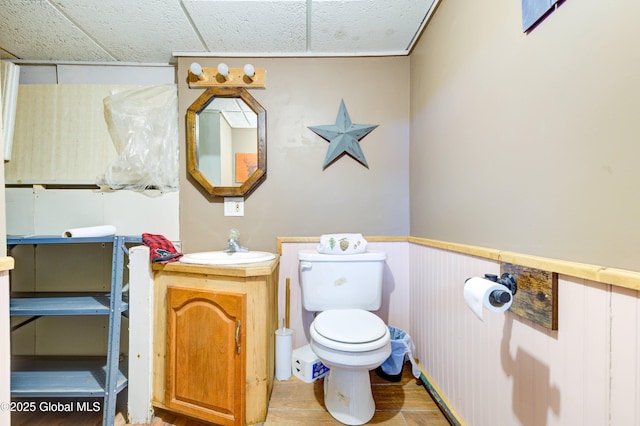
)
(348, 281)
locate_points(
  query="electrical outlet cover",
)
(233, 206)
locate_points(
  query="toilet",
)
(345, 336)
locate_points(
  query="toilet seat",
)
(350, 330)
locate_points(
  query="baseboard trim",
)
(452, 416)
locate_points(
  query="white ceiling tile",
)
(36, 30)
(237, 113)
(364, 25)
(251, 26)
(138, 31)
(152, 30)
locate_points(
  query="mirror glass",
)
(226, 142)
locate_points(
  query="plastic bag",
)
(401, 349)
(143, 124)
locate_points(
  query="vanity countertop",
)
(240, 270)
(6, 263)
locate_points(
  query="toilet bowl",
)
(346, 336)
(350, 342)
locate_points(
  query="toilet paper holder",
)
(500, 297)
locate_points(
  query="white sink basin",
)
(227, 258)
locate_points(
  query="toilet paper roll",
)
(90, 231)
(476, 294)
(284, 342)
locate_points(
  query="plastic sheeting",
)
(9, 83)
(143, 124)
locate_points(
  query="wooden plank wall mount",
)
(536, 298)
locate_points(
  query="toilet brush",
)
(287, 302)
(284, 344)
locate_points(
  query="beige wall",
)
(529, 143)
(299, 198)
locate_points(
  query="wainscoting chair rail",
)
(602, 274)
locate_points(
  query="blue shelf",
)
(13, 240)
(43, 377)
(62, 305)
(74, 376)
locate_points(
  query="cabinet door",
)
(205, 365)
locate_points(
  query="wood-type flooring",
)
(293, 402)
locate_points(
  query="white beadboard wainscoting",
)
(504, 370)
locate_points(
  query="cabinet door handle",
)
(238, 336)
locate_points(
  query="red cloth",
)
(162, 250)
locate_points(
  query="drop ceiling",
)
(157, 31)
(235, 111)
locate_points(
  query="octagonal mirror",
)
(226, 142)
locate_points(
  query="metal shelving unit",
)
(75, 376)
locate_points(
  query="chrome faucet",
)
(233, 243)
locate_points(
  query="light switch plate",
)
(233, 206)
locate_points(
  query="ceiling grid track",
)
(194, 27)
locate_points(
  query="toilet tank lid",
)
(314, 256)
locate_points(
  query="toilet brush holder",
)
(284, 342)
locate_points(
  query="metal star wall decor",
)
(343, 137)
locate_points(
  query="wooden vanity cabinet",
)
(214, 341)
(205, 360)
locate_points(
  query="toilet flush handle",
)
(305, 265)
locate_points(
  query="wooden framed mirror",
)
(227, 142)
